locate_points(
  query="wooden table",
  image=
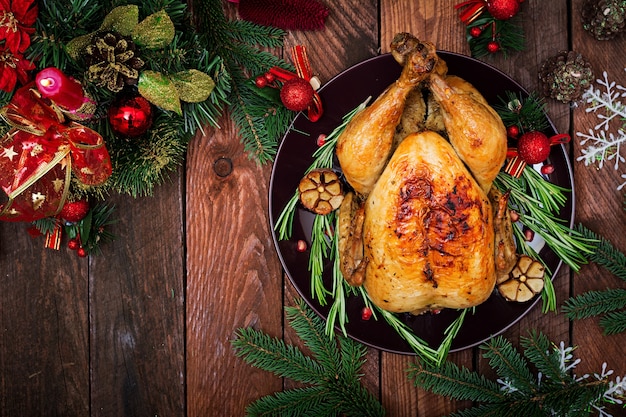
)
(144, 329)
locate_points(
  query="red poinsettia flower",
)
(17, 18)
(13, 67)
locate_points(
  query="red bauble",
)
(512, 131)
(475, 31)
(297, 94)
(493, 47)
(75, 211)
(130, 116)
(533, 147)
(503, 9)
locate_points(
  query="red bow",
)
(40, 153)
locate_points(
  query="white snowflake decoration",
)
(598, 145)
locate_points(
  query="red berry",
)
(475, 31)
(73, 244)
(512, 131)
(301, 246)
(75, 211)
(321, 139)
(260, 81)
(503, 9)
(296, 94)
(493, 47)
(270, 77)
(366, 313)
(81, 252)
(533, 147)
(547, 169)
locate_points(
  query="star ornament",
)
(9, 153)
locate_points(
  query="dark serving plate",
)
(341, 95)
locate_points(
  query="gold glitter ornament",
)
(160, 91)
(155, 31)
(193, 86)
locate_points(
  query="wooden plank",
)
(599, 204)
(137, 309)
(44, 355)
(227, 287)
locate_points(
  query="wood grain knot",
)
(223, 166)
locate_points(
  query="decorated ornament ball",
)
(297, 94)
(74, 211)
(533, 147)
(130, 115)
(503, 9)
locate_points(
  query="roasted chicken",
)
(366, 144)
(418, 231)
(428, 232)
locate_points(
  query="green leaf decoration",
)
(193, 86)
(160, 91)
(155, 31)
(122, 19)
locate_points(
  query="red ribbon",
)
(473, 9)
(39, 155)
(303, 70)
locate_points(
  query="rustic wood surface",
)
(144, 329)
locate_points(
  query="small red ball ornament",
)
(475, 32)
(533, 147)
(75, 211)
(503, 9)
(131, 116)
(493, 47)
(297, 94)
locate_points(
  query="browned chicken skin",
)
(366, 144)
(419, 233)
(428, 232)
(474, 128)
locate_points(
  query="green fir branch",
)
(516, 392)
(510, 365)
(527, 113)
(261, 122)
(333, 370)
(507, 33)
(609, 303)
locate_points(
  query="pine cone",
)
(604, 19)
(566, 76)
(112, 61)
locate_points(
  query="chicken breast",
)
(428, 232)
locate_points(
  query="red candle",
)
(61, 89)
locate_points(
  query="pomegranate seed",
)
(547, 169)
(321, 139)
(435, 311)
(301, 246)
(529, 235)
(366, 313)
(514, 216)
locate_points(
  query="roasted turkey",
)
(418, 231)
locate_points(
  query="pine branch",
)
(563, 396)
(605, 254)
(273, 355)
(537, 349)
(333, 372)
(451, 381)
(510, 365)
(310, 329)
(595, 303)
(614, 322)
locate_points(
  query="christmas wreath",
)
(102, 96)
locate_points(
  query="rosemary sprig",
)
(322, 158)
(537, 200)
